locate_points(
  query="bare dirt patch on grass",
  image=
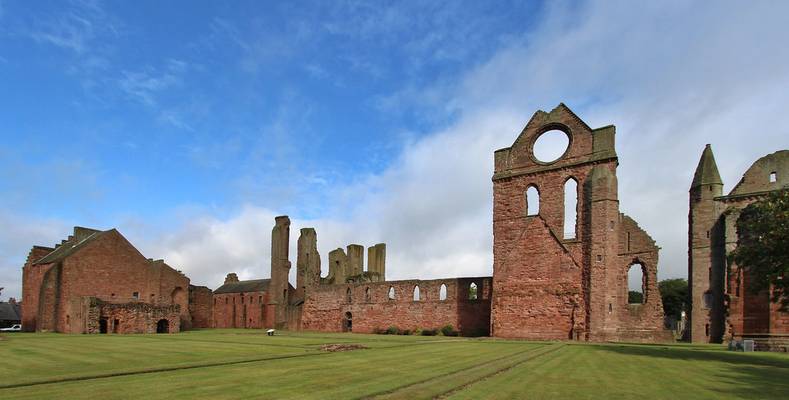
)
(342, 347)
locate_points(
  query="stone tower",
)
(706, 266)
(308, 262)
(280, 269)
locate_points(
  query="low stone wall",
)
(367, 307)
(133, 317)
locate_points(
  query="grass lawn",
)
(236, 364)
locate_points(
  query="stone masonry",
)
(547, 285)
(722, 306)
(98, 277)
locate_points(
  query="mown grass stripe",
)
(399, 389)
(494, 373)
(156, 370)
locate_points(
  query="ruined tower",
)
(722, 305)
(564, 276)
(376, 262)
(355, 259)
(308, 262)
(705, 258)
(280, 269)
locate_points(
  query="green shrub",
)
(392, 330)
(405, 332)
(448, 330)
(429, 332)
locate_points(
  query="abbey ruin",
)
(558, 273)
(722, 306)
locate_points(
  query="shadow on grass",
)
(750, 376)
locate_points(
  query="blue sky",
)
(189, 125)
(145, 107)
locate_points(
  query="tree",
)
(635, 297)
(674, 293)
(763, 246)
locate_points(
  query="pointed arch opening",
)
(391, 293)
(472, 291)
(367, 294)
(636, 283)
(442, 292)
(348, 295)
(570, 208)
(417, 296)
(532, 200)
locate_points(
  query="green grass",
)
(236, 364)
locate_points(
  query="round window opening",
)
(550, 145)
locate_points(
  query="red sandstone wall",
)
(131, 317)
(32, 278)
(637, 321)
(546, 286)
(326, 306)
(109, 268)
(537, 285)
(748, 313)
(201, 306)
(240, 310)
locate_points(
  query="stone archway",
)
(348, 322)
(163, 326)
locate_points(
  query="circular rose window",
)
(550, 145)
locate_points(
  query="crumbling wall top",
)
(584, 144)
(770, 172)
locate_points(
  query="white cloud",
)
(670, 76)
(21, 234)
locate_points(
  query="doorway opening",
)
(163, 326)
(348, 323)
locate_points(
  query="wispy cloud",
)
(70, 32)
(146, 84)
(613, 63)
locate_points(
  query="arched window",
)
(391, 293)
(636, 283)
(442, 292)
(416, 293)
(367, 294)
(472, 291)
(348, 295)
(532, 201)
(570, 207)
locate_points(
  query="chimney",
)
(231, 278)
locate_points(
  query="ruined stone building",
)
(722, 306)
(97, 282)
(242, 304)
(558, 276)
(351, 298)
(547, 283)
